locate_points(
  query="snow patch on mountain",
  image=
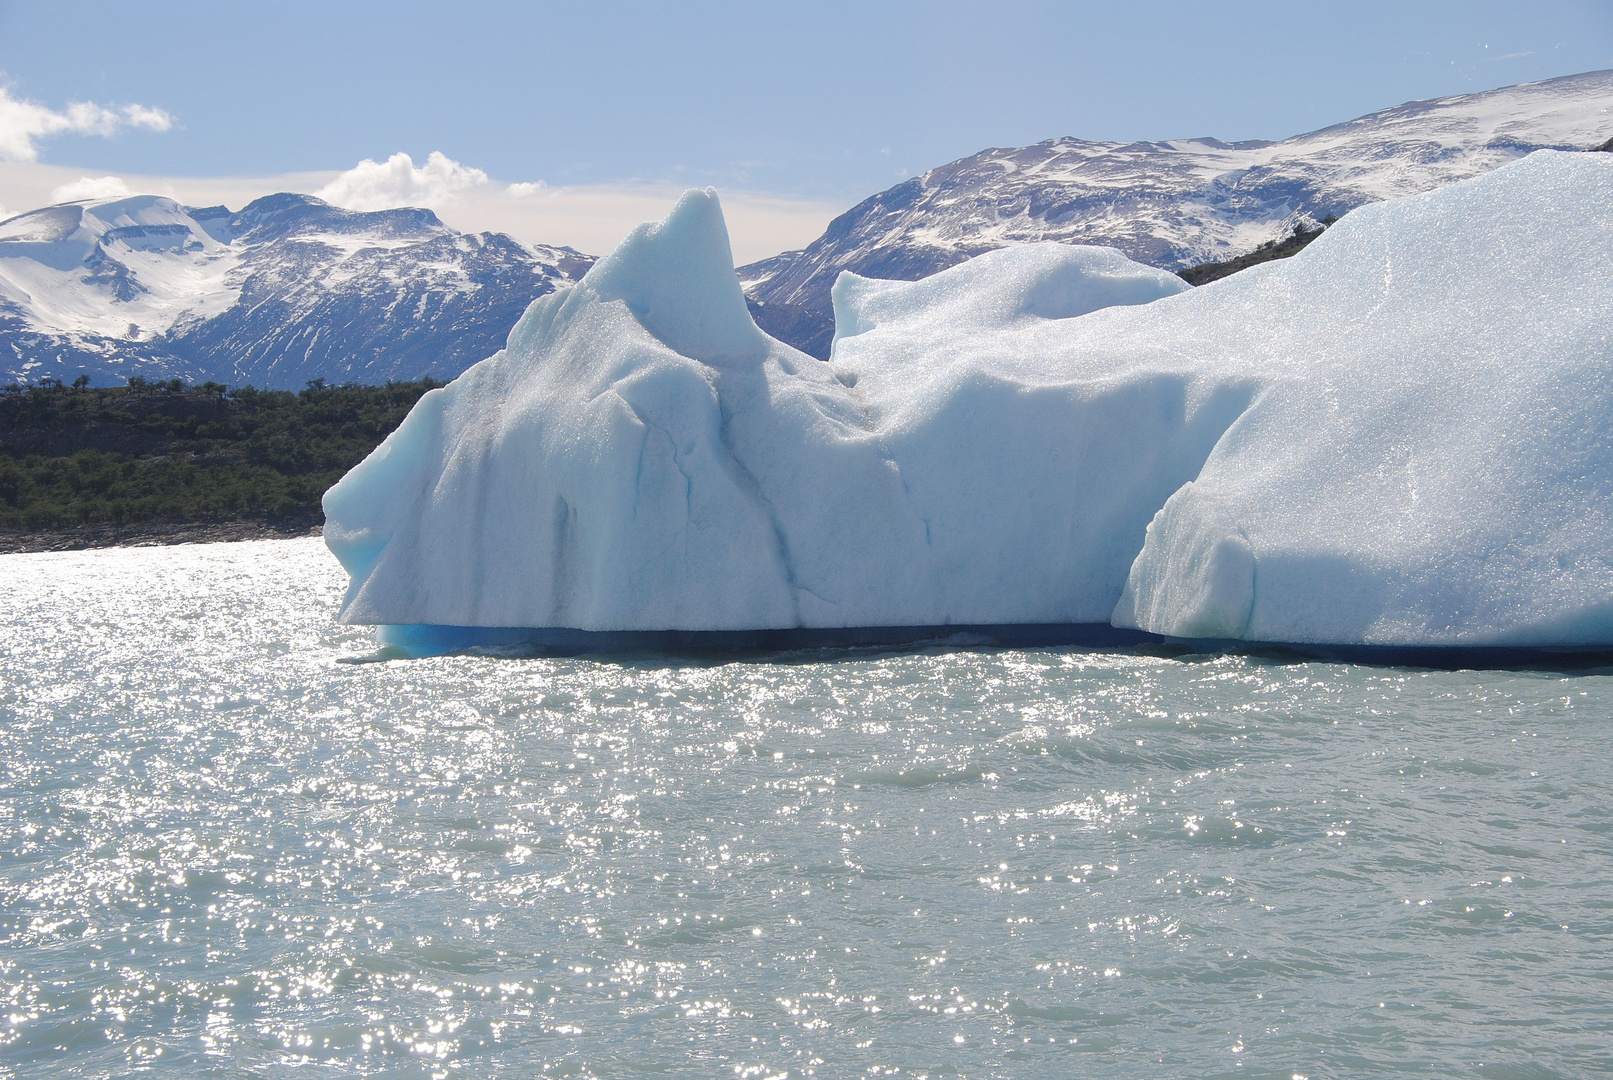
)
(127, 267)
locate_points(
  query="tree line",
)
(165, 452)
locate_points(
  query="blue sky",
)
(810, 105)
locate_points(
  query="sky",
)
(569, 122)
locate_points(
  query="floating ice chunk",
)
(1403, 435)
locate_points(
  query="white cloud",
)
(381, 185)
(151, 119)
(24, 123)
(91, 187)
(522, 190)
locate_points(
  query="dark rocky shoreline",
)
(151, 534)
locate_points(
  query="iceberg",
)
(1400, 436)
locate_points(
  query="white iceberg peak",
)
(677, 276)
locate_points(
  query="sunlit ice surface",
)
(224, 851)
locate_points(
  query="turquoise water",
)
(224, 851)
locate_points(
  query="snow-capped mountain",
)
(1169, 204)
(286, 290)
(291, 289)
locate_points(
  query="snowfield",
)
(1401, 436)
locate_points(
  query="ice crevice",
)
(1042, 434)
(652, 429)
(781, 541)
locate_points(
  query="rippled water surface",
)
(224, 851)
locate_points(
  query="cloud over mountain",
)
(24, 123)
(397, 181)
(91, 187)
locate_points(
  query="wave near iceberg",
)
(1400, 436)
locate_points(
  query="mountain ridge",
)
(1169, 204)
(290, 289)
(285, 290)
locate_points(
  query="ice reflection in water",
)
(222, 852)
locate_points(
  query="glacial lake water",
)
(226, 850)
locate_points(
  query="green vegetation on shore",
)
(164, 453)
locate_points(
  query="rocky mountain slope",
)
(287, 290)
(1169, 204)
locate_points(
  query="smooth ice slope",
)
(1430, 460)
(1400, 436)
